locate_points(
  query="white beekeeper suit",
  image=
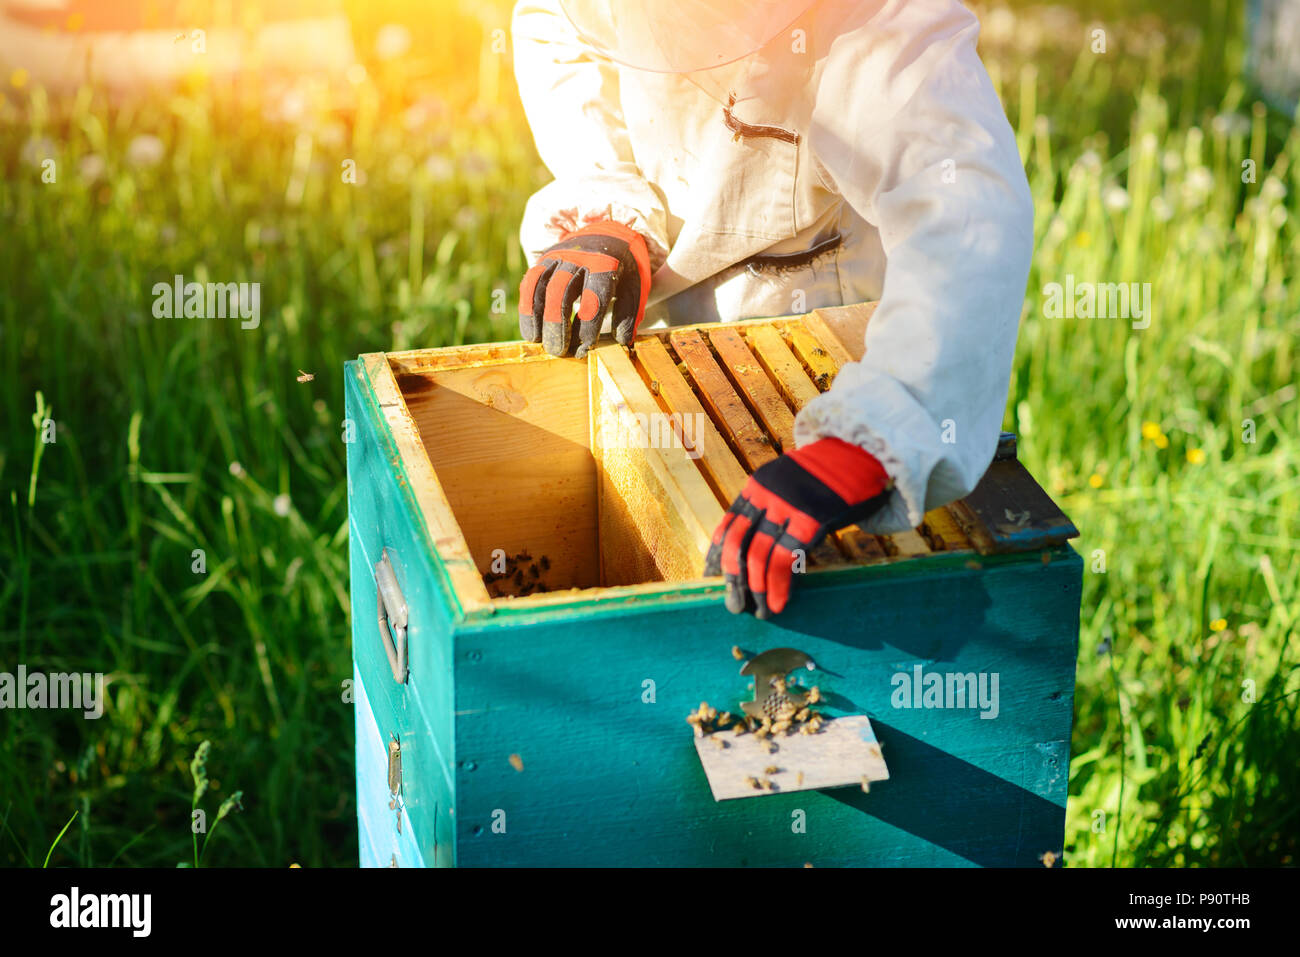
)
(864, 144)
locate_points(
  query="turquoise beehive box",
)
(530, 630)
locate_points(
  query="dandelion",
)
(1095, 480)
(1116, 199)
(37, 150)
(1151, 430)
(392, 41)
(145, 151)
(439, 168)
(18, 78)
(1218, 624)
(91, 167)
(1162, 441)
(1196, 456)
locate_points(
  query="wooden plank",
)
(844, 753)
(439, 516)
(861, 547)
(723, 472)
(826, 338)
(944, 533)
(849, 325)
(1010, 512)
(751, 379)
(752, 446)
(908, 544)
(785, 370)
(656, 512)
(509, 444)
(415, 361)
(819, 362)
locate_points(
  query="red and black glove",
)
(587, 267)
(791, 503)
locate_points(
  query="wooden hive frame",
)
(593, 461)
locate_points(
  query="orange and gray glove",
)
(790, 504)
(586, 268)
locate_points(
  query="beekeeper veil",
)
(680, 36)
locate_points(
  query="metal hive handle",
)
(392, 611)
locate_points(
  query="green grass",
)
(176, 435)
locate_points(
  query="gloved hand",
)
(587, 267)
(791, 503)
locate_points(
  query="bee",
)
(801, 715)
(773, 747)
(545, 563)
(1048, 859)
(771, 769)
(737, 653)
(781, 727)
(305, 376)
(753, 783)
(516, 762)
(799, 780)
(767, 785)
(720, 743)
(807, 864)
(814, 694)
(866, 784)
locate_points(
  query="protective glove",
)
(791, 503)
(586, 267)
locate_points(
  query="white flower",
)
(1161, 210)
(392, 41)
(1231, 124)
(91, 167)
(439, 168)
(145, 150)
(282, 504)
(1170, 161)
(37, 150)
(237, 470)
(1116, 199)
(1272, 188)
(1198, 184)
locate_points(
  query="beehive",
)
(530, 624)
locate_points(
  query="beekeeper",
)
(718, 160)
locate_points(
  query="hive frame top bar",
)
(840, 329)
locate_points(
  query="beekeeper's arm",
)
(913, 136)
(612, 222)
(907, 128)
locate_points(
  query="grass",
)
(180, 435)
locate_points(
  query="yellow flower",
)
(1196, 456)
(1083, 239)
(1094, 480)
(18, 79)
(1218, 624)
(1162, 441)
(1151, 430)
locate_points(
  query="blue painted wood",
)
(382, 843)
(382, 516)
(612, 779)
